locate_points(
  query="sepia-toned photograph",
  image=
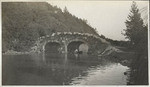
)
(75, 43)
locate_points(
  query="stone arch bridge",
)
(68, 42)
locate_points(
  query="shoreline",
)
(11, 52)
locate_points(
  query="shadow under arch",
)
(77, 45)
(52, 47)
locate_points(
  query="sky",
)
(108, 17)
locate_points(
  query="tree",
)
(134, 25)
(102, 36)
(137, 33)
(66, 10)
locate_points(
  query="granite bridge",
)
(67, 42)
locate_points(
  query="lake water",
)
(61, 69)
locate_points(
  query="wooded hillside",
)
(24, 22)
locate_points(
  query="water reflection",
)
(61, 69)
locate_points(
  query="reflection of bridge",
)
(68, 42)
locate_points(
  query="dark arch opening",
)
(52, 47)
(77, 46)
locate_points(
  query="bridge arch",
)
(52, 47)
(77, 44)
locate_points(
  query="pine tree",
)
(137, 33)
(134, 25)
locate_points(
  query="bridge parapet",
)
(75, 33)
